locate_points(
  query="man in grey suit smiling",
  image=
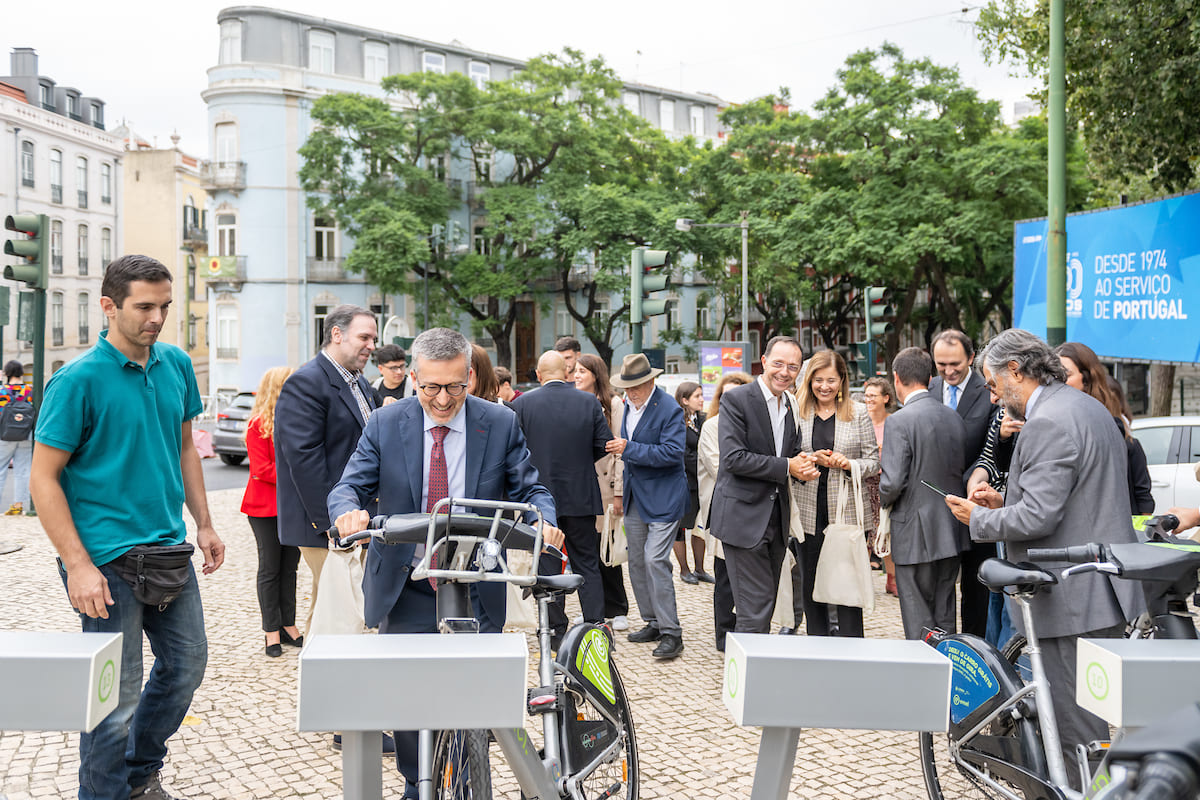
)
(923, 441)
(1067, 486)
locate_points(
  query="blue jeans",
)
(21, 456)
(129, 745)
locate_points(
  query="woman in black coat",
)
(690, 397)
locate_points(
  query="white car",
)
(1172, 446)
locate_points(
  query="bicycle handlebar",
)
(1079, 554)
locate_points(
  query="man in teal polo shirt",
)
(113, 465)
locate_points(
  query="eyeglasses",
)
(792, 368)
(394, 367)
(432, 390)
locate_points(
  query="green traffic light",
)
(35, 249)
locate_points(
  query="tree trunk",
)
(1162, 389)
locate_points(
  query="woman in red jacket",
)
(276, 562)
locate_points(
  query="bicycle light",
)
(489, 555)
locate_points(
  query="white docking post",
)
(58, 681)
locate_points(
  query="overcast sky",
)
(147, 59)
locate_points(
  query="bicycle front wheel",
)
(461, 770)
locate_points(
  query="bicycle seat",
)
(998, 575)
(558, 583)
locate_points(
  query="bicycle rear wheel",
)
(461, 770)
(617, 775)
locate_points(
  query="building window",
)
(433, 62)
(697, 116)
(325, 236)
(106, 183)
(191, 276)
(564, 323)
(56, 176)
(98, 118)
(481, 242)
(56, 319)
(231, 42)
(73, 107)
(84, 305)
(437, 168)
(56, 246)
(320, 51)
(480, 73)
(673, 315)
(82, 241)
(226, 145)
(633, 102)
(227, 331)
(375, 61)
(666, 114)
(27, 163)
(702, 314)
(81, 180)
(46, 95)
(226, 234)
(191, 332)
(319, 314)
(105, 247)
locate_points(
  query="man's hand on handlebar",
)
(552, 536)
(1188, 517)
(352, 522)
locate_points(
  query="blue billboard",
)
(1133, 279)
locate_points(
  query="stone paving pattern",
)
(239, 740)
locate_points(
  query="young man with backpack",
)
(17, 417)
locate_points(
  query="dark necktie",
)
(439, 476)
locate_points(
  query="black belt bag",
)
(156, 573)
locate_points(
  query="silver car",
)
(1172, 446)
(229, 439)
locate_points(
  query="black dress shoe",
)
(274, 650)
(787, 631)
(689, 578)
(287, 638)
(704, 577)
(646, 634)
(669, 647)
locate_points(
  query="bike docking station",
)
(362, 685)
(83, 671)
(785, 683)
(1131, 683)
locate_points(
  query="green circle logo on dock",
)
(108, 678)
(731, 676)
(1097, 680)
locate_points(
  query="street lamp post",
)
(687, 224)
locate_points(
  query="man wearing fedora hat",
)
(656, 496)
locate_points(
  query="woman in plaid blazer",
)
(838, 431)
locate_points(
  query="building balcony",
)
(330, 270)
(195, 235)
(230, 175)
(83, 198)
(56, 193)
(225, 273)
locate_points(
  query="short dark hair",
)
(341, 317)
(13, 369)
(913, 365)
(127, 269)
(389, 353)
(952, 336)
(774, 340)
(566, 344)
(503, 376)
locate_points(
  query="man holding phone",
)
(922, 460)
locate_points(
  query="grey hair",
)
(1034, 357)
(341, 317)
(440, 344)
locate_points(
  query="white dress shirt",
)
(454, 447)
(633, 414)
(777, 408)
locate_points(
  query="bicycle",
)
(1003, 737)
(589, 751)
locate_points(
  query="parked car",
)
(1172, 446)
(229, 439)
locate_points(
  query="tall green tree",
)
(1130, 71)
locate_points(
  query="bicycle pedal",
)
(542, 700)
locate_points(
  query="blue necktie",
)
(954, 397)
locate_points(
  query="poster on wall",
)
(1133, 279)
(720, 358)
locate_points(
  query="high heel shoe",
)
(287, 638)
(274, 650)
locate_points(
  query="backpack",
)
(17, 419)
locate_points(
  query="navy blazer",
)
(388, 464)
(317, 425)
(566, 431)
(655, 481)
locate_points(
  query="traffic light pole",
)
(39, 345)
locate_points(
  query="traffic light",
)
(642, 282)
(877, 310)
(862, 358)
(35, 250)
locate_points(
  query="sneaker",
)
(670, 647)
(620, 623)
(15, 510)
(646, 634)
(152, 790)
(689, 579)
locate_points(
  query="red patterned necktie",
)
(439, 479)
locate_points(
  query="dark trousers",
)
(816, 615)
(276, 575)
(583, 550)
(616, 601)
(926, 594)
(975, 596)
(416, 612)
(724, 618)
(754, 575)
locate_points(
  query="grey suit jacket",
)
(855, 439)
(975, 409)
(923, 441)
(1067, 485)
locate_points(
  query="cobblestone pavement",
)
(239, 740)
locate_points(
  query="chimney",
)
(23, 62)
